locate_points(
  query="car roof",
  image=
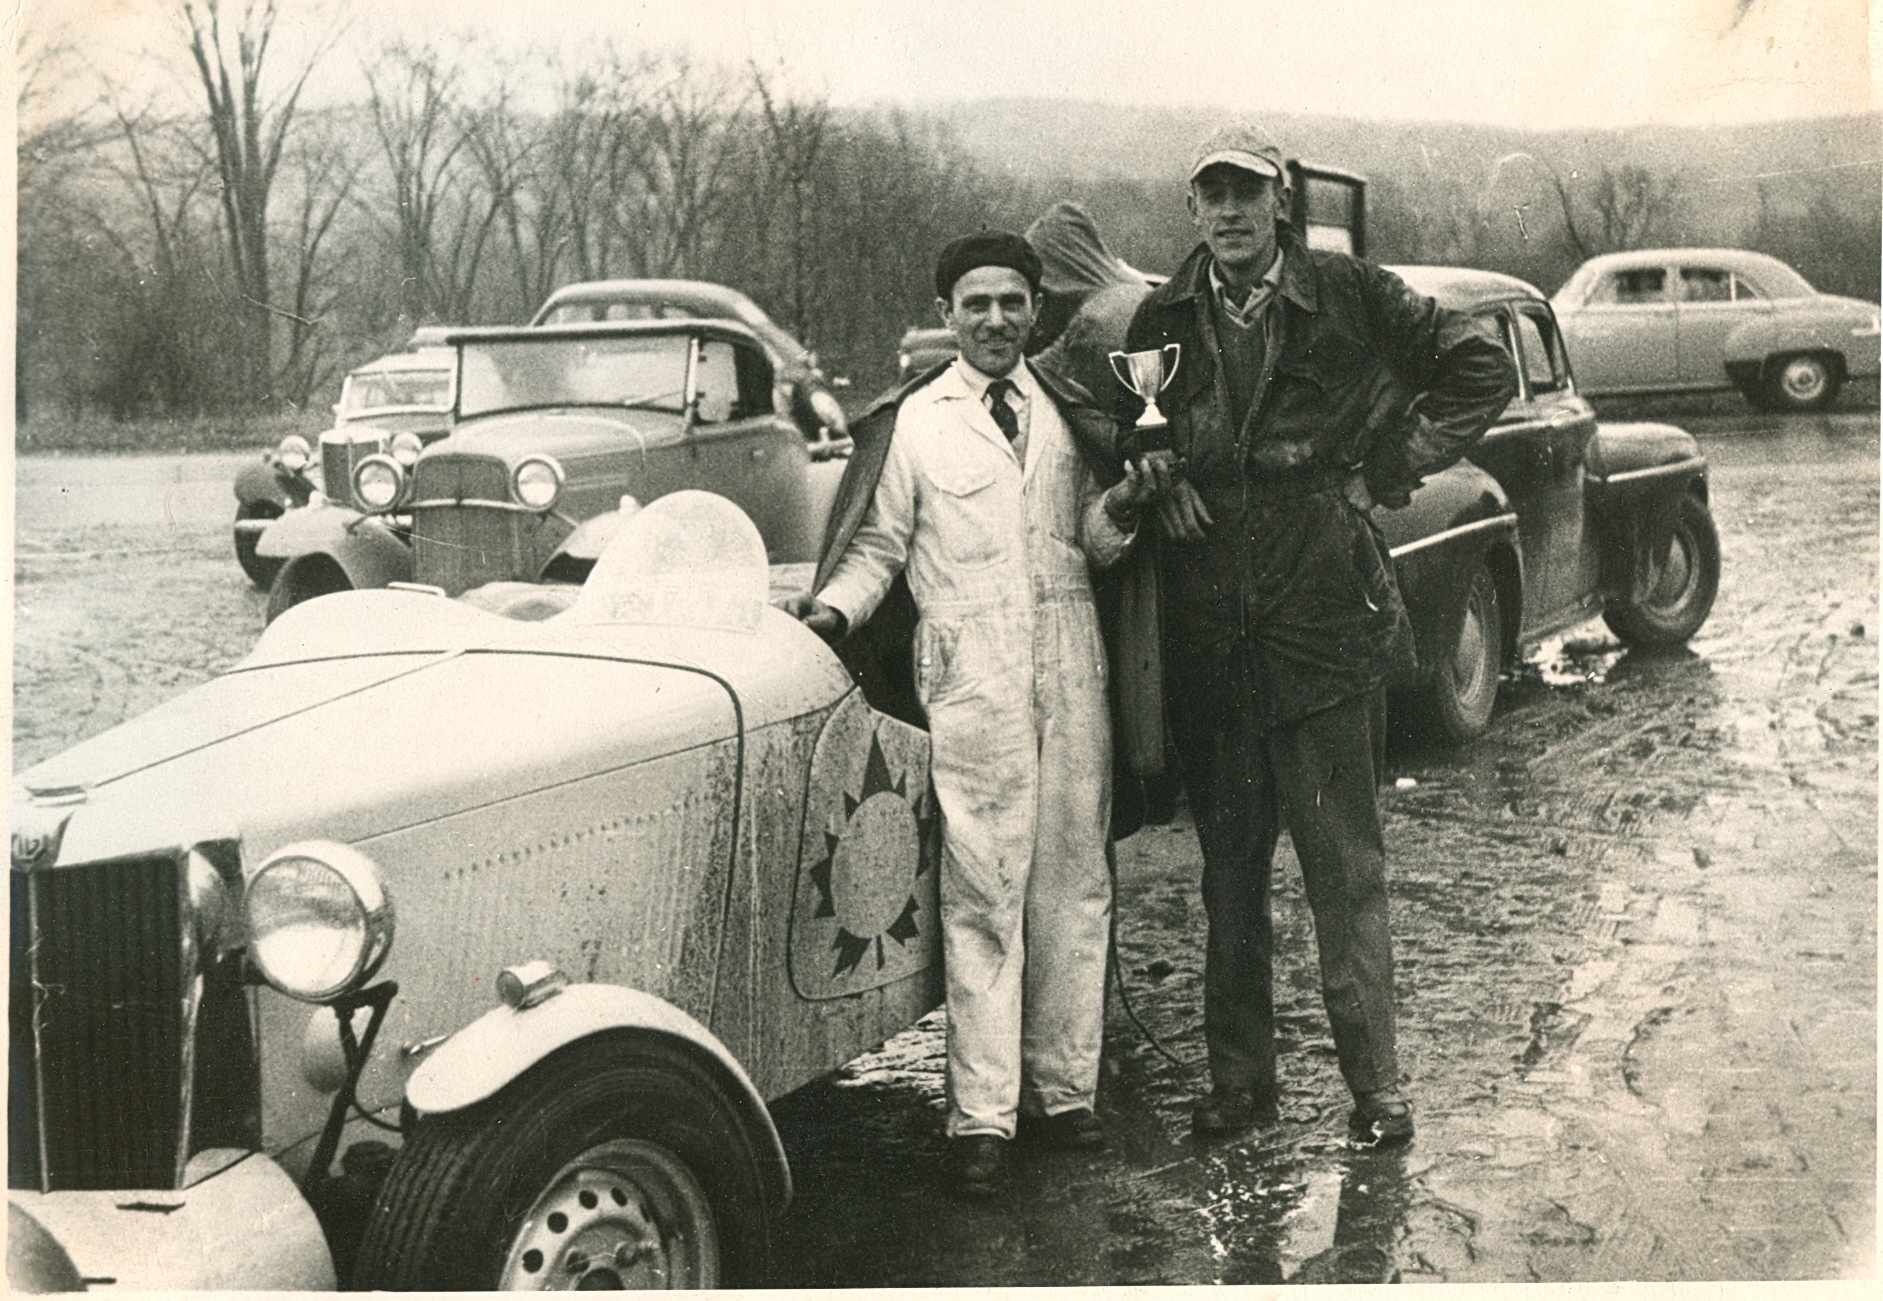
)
(1654, 257)
(428, 358)
(702, 296)
(1465, 288)
(718, 327)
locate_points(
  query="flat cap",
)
(1246, 146)
(988, 248)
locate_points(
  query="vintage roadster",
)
(503, 1015)
(552, 428)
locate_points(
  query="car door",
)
(1560, 573)
(1624, 334)
(739, 447)
(1713, 302)
(1516, 453)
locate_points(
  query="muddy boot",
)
(1381, 1118)
(977, 1165)
(1228, 1111)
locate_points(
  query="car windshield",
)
(643, 370)
(395, 390)
(691, 559)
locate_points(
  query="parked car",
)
(400, 401)
(552, 427)
(1689, 319)
(1550, 521)
(804, 391)
(498, 999)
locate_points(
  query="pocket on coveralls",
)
(970, 528)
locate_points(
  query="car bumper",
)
(246, 1227)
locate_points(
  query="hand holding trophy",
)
(1147, 374)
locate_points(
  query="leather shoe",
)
(1381, 1118)
(1229, 1111)
(1077, 1130)
(977, 1164)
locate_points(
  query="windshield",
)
(647, 370)
(690, 558)
(395, 390)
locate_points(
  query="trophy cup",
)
(1147, 374)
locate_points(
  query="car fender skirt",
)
(246, 1227)
(493, 1051)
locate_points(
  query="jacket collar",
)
(1300, 283)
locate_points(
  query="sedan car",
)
(403, 400)
(553, 427)
(1550, 521)
(1691, 319)
(498, 999)
(803, 389)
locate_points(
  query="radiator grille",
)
(99, 968)
(461, 547)
(339, 453)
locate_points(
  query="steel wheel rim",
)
(1803, 380)
(624, 1214)
(1674, 585)
(1470, 659)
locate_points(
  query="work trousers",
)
(1317, 777)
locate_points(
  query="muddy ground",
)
(1635, 928)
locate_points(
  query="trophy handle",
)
(1173, 354)
(1122, 374)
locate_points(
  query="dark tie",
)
(1003, 414)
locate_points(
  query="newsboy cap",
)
(1246, 146)
(987, 248)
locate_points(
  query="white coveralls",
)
(1011, 669)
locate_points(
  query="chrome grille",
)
(460, 547)
(340, 451)
(102, 1005)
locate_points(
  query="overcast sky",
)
(1543, 63)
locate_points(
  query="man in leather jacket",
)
(1310, 385)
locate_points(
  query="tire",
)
(1805, 381)
(261, 570)
(303, 579)
(1456, 700)
(1681, 595)
(619, 1162)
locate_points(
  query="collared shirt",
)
(1020, 402)
(1250, 311)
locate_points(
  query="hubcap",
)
(625, 1214)
(1672, 585)
(1470, 662)
(1804, 380)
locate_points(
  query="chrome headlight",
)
(537, 483)
(406, 446)
(377, 482)
(293, 452)
(319, 921)
(830, 413)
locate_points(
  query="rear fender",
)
(369, 552)
(492, 1052)
(576, 554)
(1455, 518)
(1750, 348)
(1637, 475)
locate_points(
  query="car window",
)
(395, 390)
(1706, 285)
(1744, 289)
(1542, 353)
(1635, 285)
(507, 374)
(717, 381)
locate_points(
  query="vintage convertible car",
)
(399, 403)
(661, 862)
(552, 428)
(804, 391)
(1688, 319)
(1550, 521)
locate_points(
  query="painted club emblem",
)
(880, 826)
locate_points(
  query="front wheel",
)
(1680, 592)
(1455, 703)
(1805, 382)
(261, 570)
(618, 1163)
(303, 579)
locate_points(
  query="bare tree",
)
(506, 150)
(322, 178)
(794, 137)
(690, 123)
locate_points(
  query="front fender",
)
(493, 1051)
(266, 480)
(1456, 517)
(370, 553)
(1637, 474)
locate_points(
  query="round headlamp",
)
(319, 922)
(377, 482)
(829, 413)
(406, 446)
(537, 483)
(293, 452)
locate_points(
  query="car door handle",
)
(758, 453)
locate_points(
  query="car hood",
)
(565, 433)
(366, 712)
